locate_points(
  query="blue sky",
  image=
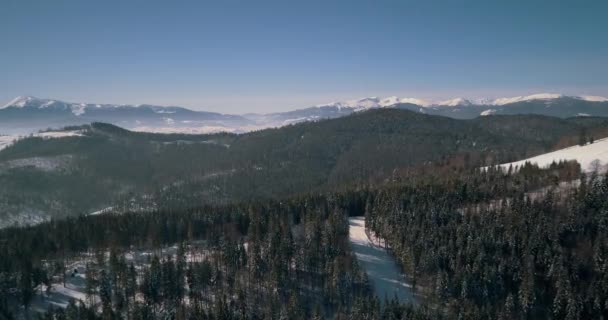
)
(260, 56)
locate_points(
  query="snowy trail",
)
(382, 270)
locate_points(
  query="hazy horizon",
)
(240, 57)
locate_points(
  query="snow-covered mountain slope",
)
(545, 104)
(456, 102)
(376, 102)
(590, 156)
(373, 102)
(544, 96)
(33, 103)
(538, 96)
(24, 103)
(24, 115)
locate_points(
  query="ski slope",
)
(382, 270)
(585, 155)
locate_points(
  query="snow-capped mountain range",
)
(28, 114)
(375, 102)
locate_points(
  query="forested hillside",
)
(109, 166)
(477, 245)
(256, 260)
(516, 257)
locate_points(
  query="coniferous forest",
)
(295, 160)
(475, 244)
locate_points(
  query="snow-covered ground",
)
(42, 163)
(585, 155)
(382, 270)
(59, 134)
(7, 140)
(25, 217)
(59, 296)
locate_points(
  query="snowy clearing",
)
(59, 296)
(382, 270)
(585, 155)
(6, 141)
(58, 134)
(25, 217)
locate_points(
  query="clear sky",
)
(260, 56)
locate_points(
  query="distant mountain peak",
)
(78, 109)
(456, 102)
(374, 102)
(20, 101)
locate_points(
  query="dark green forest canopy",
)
(476, 244)
(110, 165)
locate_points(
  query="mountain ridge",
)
(26, 114)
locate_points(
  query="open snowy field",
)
(585, 155)
(382, 270)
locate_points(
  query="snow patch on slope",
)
(373, 102)
(589, 156)
(78, 109)
(488, 112)
(391, 101)
(20, 102)
(59, 134)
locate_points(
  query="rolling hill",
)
(104, 165)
